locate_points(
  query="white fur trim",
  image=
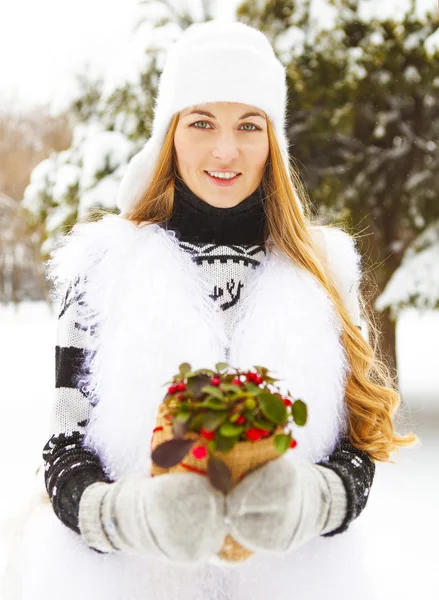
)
(154, 311)
(344, 262)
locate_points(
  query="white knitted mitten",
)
(282, 505)
(176, 516)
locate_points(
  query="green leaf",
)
(221, 366)
(300, 412)
(212, 390)
(273, 408)
(262, 370)
(171, 452)
(219, 474)
(185, 368)
(262, 424)
(183, 416)
(213, 419)
(230, 430)
(282, 442)
(254, 389)
(196, 423)
(231, 387)
(213, 404)
(225, 444)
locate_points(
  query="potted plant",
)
(223, 423)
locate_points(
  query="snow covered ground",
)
(400, 522)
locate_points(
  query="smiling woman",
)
(191, 271)
(222, 161)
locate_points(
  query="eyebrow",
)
(209, 114)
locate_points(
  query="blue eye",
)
(256, 128)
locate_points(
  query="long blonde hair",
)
(371, 394)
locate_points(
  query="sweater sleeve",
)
(69, 467)
(355, 470)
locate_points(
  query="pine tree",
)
(363, 127)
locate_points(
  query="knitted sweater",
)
(228, 245)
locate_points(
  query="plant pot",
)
(243, 458)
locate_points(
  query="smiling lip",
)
(223, 182)
(223, 171)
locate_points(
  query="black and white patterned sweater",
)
(228, 244)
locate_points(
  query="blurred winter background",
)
(77, 83)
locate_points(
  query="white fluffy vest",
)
(154, 312)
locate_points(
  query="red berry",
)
(258, 379)
(287, 402)
(240, 420)
(199, 452)
(237, 381)
(293, 444)
(254, 433)
(180, 397)
(181, 386)
(251, 376)
(172, 389)
(208, 435)
(215, 381)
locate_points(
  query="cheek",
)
(188, 153)
(259, 154)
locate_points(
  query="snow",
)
(289, 43)
(101, 151)
(102, 195)
(369, 9)
(416, 281)
(67, 177)
(432, 43)
(399, 525)
(412, 75)
(85, 176)
(55, 220)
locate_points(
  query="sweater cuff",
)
(89, 517)
(338, 505)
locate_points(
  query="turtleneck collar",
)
(195, 220)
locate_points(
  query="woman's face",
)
(225, 139)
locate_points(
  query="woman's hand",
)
(283, 504)
(177, 516)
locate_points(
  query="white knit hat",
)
(213, 61)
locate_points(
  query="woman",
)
(200, 268)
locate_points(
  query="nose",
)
(225, 148)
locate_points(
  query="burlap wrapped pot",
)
(243, 458)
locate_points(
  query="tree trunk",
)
(386, 326)
(381, 264)
(387, 329)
